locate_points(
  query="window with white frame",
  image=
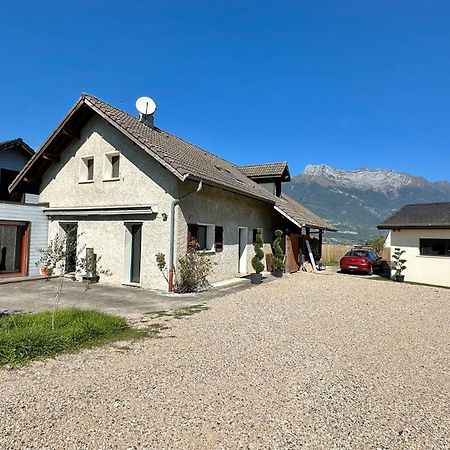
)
(111, 170)
(87, 169)
(202, 237)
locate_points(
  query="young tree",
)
(278, 255)
(257, 265)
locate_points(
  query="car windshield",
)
(357, 253)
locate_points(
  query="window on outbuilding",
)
(435, 247)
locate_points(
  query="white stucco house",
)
(23, 225)
(423, 232)
(119, 182)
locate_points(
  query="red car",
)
(360, 261)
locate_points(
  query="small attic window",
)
(111, 168)
(87, 169)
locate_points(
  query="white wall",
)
(230, 211)
(419, 268)
(142, 181)
(38, 228)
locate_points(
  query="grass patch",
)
(25, 337)
(378, 278)
(180, 313)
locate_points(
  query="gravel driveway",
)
(310, 361)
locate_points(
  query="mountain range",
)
(356, 201)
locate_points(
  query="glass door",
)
(136, 240)
(13, 248)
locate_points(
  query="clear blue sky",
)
(351, 84)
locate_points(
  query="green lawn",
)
(25, 337)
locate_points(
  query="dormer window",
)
(112, 167)
(87, 169)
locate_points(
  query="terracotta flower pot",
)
(46, 271)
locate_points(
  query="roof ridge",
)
(263, 164)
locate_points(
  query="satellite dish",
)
(145, 105)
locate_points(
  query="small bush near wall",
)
(192, 272)
(25, 337)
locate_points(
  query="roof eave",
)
(44, 146)
(309, 225)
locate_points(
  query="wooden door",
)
(292, 247)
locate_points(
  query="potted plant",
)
(257, 265)
(398, 265)
(53, 257)
(278, 255)
(90, 267)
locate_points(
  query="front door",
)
(136, 240)
(243, 249)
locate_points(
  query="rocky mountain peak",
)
(382, 180)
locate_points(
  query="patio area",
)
(39, 294)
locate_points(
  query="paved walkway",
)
(38, 295)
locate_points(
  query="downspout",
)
(175, 202)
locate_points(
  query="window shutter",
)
(218, 239)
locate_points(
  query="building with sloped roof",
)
(117, 181)
(23, 225)
(422, 231)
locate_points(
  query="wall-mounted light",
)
(164, 216)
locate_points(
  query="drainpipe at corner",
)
(175, 202)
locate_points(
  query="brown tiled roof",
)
(267, 170)
(185, 159)
(422, 215)
(18, 144)
(300, 215)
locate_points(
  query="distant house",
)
(114, 181)
(23, 225)
(423, 231)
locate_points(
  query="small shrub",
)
(278, 255)
(377, 243)
(162, 265)
(192, 271)
(257, 265)
(55, 254)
